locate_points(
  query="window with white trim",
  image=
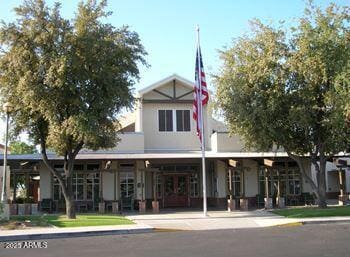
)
(174, 120)
(165, 120)
(183, 121)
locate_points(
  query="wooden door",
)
(176, 190)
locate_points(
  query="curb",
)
(324, 221)
(74, 234)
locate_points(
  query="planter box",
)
(280, 201)
(115, 207)
(155, 206)
(243, 204)
(101, 207)
(24, 208)
(13, 208)
(34, 208)
(268, 203)
(231, 205)
(142, 206)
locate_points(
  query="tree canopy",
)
(291, 91)
(68, 79)
(19, 147)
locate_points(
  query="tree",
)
(68, 80)
(292, 92)
(18, 147)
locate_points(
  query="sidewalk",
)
(171, 220)
(222, 220)
(54, 232)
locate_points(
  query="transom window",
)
(174, 120)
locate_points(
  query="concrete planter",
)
(281, 202)
(343, 199)
(115, 207)
(268, 203)
(102, 207)
(34, 208)
(13, 208)
(155, 206)
(142, 206)
(231, 205)
(24, 209)
(244, 204)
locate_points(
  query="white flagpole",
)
(202, 127)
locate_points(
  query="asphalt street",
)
(301, 241)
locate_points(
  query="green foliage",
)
(307, 212)
(18, 147)
(290, 91)
(68, 79)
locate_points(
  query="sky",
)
(167, 29)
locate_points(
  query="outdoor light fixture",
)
(7, 108)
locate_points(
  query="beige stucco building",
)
(158, 160)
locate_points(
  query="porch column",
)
(342, 198)
(231, 203)
(155, 202)
(279, 200)
(268, 200)
(142, 202)
(14, 187)
(243, 202)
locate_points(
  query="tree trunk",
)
(322, 182)
(70, 202)
(70, 208)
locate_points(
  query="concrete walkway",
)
(54, 232)
(169, 220)
(221, 220)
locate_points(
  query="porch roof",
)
(150, 155)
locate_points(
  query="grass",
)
(306, 212)
(20, 222)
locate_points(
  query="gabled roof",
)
(162, 82)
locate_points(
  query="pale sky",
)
(167, 28)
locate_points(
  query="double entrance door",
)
(176, 190)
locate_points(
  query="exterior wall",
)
(8, 189)
(131, 142)
(347, 180)
(108, 184)
(45, 182)
(222, 142)
(173, 140)
(140, 176)
(221, 169)
(250, 170)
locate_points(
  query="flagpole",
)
(202, 128)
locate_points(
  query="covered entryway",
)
(176, 190)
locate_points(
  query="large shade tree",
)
(291, 88)
(68, 80)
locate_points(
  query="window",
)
(165, 119)
(169, 120)
(183, 120)
(86, 182)
(126, 184)
(235, 182)
(294, 182)
(194, 187)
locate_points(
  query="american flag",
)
(201, 95)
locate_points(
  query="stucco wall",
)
(250, 170)
(174, 140)
(221, 169)
(45, 182)
(108, 185)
